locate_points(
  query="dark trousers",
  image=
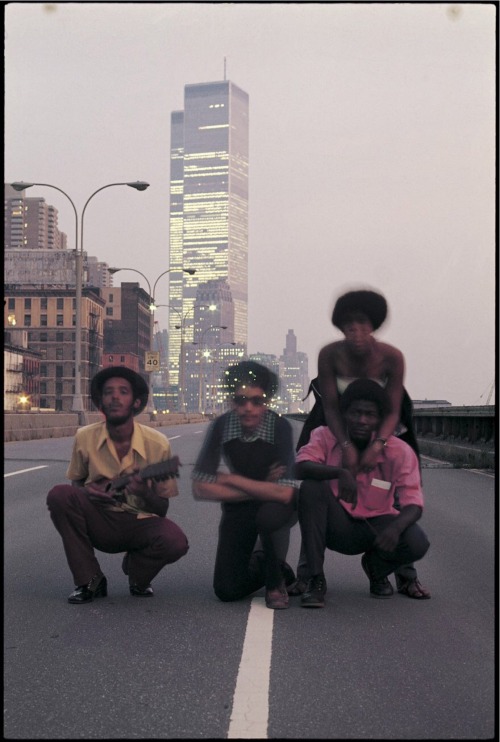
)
(239, 572)
(151, 543)
(324, 523)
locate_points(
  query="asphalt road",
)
(125, 668)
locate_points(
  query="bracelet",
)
(382, 440)
(346, 443)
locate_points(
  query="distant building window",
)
(73, 322)
(59, 337)
(59, 320)
(43, 320)
(43, 337)
(43, 302)
(109, 311)
(43, 387)
(12, 303)
(27, 303)
(59, 372)
(60, 304)
(59, 354)
(122, 359)
(111, 298)
(27, 320)
(43, 369)
(59, 387)
(74, 303)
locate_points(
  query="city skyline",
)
(372, 142)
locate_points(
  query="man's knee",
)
(59, 496)
(311, 492)
(417, 542)
(171, 543)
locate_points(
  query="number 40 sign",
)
(152, 360)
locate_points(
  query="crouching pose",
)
(376, 515)
(122, 474)
(257, 494)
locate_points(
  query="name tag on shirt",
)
(381, 483)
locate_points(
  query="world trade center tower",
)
(208, 212)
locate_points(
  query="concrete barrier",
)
(27, 426)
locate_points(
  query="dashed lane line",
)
(23, 471)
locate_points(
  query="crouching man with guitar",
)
(122, 475)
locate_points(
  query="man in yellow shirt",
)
(125, 516)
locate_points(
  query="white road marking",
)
(22, 471)
(173, 437)
(479, 471)
(250, 711)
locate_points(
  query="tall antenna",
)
(224, 69)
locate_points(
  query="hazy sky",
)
(372, 141)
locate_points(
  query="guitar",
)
(167, 469)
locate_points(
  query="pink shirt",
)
(396, 471)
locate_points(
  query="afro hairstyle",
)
(370, 303)
(250, 373)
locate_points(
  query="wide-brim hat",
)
(139, 386)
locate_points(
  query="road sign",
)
(152, 360)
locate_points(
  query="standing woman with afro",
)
(360, 356)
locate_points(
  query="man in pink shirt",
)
(377, 514)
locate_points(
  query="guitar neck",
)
(162, 470)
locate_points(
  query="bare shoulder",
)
(331, 351)
(392, 356)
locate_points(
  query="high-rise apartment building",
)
(30, 223)
(208, 208)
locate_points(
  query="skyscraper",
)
(208, 208)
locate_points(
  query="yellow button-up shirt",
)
(94, 457)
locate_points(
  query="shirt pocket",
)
(379, 496)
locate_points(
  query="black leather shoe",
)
(314, 596)
(379, 587)
(97, 587)
(139, 592)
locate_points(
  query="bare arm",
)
(330, 400)
(319, 472)
(388, 539)
(235, 488)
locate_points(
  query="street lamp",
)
(182, 328)
(138, 185)
(152, 305)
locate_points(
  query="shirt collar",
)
(137, 443)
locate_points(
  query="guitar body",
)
(163, 470)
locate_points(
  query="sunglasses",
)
(257, 401)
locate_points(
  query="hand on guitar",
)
(139, 483)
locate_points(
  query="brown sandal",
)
(413, 589)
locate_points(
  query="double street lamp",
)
(138, 185)
(152, 306)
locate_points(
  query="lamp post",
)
(138, 185)
(152, 305)
(182, 328)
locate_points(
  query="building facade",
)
(48, 315)
(21, 373)
(208, 208)
(128, 322)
